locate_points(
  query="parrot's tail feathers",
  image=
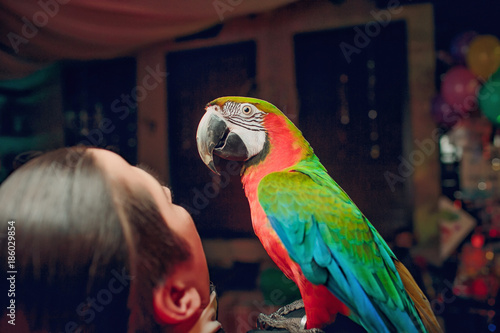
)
(422, 305)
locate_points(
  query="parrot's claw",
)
(292, 324)
(295, 305)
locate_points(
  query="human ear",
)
(174, 302)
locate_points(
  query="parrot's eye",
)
(246, 109)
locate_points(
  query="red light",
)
(493, 233)
(477, 240)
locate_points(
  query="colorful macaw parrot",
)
(308, 225)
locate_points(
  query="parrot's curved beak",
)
(214, 137)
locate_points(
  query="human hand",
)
(207, 323)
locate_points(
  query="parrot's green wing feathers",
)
(335, 245)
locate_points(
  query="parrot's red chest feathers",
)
(285, 150)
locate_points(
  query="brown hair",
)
(85, 246)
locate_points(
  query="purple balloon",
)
(443, 114)
(460, 46)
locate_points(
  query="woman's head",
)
(98, 245)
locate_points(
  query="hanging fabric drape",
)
(35, 33)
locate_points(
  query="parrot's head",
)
(234, 128)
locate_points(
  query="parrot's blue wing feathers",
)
(311, 268)
(321, 270)
(278, 227)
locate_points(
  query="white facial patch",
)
(254, 140)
